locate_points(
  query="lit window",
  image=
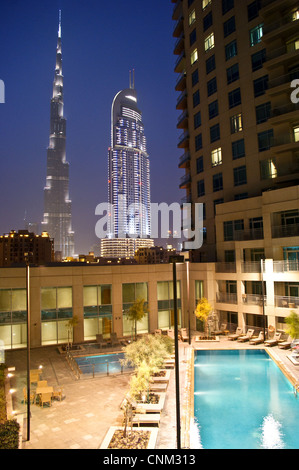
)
(206, 3)
(268, 169)
(256, 35)
(295, 15)
(192, 17)
(296, 134)
(209, 42)
(216, 156)
(194, 56)
(236, 123)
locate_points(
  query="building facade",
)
(57, 219)
(25, 247)
(128, 178)
(236, 61)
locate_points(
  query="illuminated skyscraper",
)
(128, 177)
(57, 204)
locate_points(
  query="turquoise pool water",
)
(242, 400)
(101, 364)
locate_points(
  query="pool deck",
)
(90, 406)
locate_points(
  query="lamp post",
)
(28, 342)
(263, 298)
(188, 299)
(174, 260)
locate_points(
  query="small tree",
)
(70, 326)
(293, 324)
(136, 312)
(202, 312)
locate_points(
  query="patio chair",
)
(274, 341)
(45, 398)
(221, 331)
(258, 340)
(42, 383)
(57, 393)
(184, 336)
(285, 344)
(235, 335)
(246, 337)
(101, 341)
(114, 339)
(32, 396)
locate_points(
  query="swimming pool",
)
(101, 364)
(242, 400)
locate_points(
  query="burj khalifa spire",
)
(57, 204)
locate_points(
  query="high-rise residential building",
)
(24, 246)
(129, 224)
(57, 204)
(237, 65)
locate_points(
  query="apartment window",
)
(234, 98)
(231, 50)
(166, 303)
(198, 142)
(13, 314)
(97, 305)
(214, 133)
(210, 64)
(238, 149)
(236, 123)
(194, 57)
(192, 37)
(256, 34)
(265, 140)
(240, 176)
(232, 73)
(197, 120)
(296, 133)
(200, 188)
(217, 182)
(194, 77)
(130, 293)
(199, 164)
(258, 59)
(213, 109)
(206, 3)
(196, 98)
(240, 196)
(253, 9)
(230, 228)
(260, 85)
(216, 156)
(192, 17)
(212, 86)
(229, 26)
(216, 202)
(229, 256)
(268, 169)
(227, 5)
(207, 21)
(190, 2)
(56, 309)
(209, 42)
(263, 112)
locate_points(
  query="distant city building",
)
(128, 179)
(23, 246)
(154, 255)
(57, 204)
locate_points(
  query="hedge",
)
(9, 434)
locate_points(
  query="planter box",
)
(153, 407)
(110, 433)
(163, 379)
(198, 339)
(75, 348)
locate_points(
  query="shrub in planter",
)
(9, 434)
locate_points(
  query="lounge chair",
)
(258, 340)
(114, 339)
(221, 331)
(274, 341)
(246, 337)
(45, 398)
(285, 344)
(101, 341)
(42, 383)
(32, 396)
(235, 335)
(184, 336)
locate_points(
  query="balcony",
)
(179, 45)
(183, 120)
(286, 25)
(275, 85)
(182, 100)
(281, 231)
(181, 82)
(225, 267)
(283, 301)
(184, 160)
(284, 113)
(176, 12)
(226, 298)
(284, 54)
(178, 27)
(253, 299)
(285, 266)
(185, 180)
(180, 63)
(184, 140)
(242, 235)
(251, 267)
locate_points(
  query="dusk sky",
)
(101, 42)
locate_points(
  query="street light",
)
(26, 255)
(174, 260)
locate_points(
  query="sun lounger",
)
(114, 339)
(274, 341)
(183, 334)
(221, 331)
(285, 344)
(235, 335)
(246, 337)
(258, 340)
(101, 341)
